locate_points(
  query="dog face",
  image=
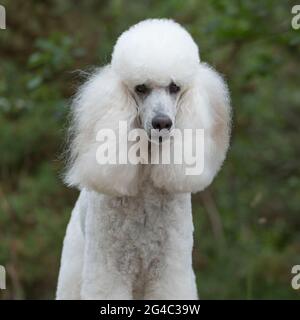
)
(157, 107)
(156, 60)
(155, 82)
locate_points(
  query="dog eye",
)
(173, 88)
(141, 89)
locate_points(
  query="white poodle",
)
(131, 232)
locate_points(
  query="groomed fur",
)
(131, 232)
(105, 100)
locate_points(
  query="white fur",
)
(130, 234)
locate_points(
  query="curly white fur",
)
(131, 232)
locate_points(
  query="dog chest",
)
(136, 231)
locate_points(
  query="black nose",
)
(161, 122)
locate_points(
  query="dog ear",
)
(205, 105)
(101, 103)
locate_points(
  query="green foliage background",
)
(247, 224)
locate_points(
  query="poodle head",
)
(157, 84)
